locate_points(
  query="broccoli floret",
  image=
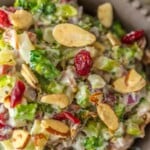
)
(118, 29)
(42, 65)
(45, 6)
(82, 96)
(92, 143)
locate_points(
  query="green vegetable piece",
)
(92, 128)
(133, 129)
(92, 143)
(39, 34)
(44, 108)
(25, 112)
(118, 29)
(55, 87)
(42, 65)
(107, 64)
(50, 9)
(44, 6)
(6, 80)
(119, 110)
(124, 53)
(66, 10)
(82, 95)
(26, 4)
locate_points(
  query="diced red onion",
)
(132, 99)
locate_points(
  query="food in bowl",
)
(69, 80)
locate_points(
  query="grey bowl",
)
(132, 18)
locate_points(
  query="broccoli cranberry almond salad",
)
(70, 81)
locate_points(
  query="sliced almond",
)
(108, 116)
(105, 14)
(39, 140)
(129, 83)
(113, 39)
(20, 138)
(55, 127)
(25, 46)
(72, 35)
(139, 85)
(29, 76)
(21, 19)
(60, 100)
(132, 78)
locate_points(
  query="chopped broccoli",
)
(42, 65)
(92, 128)
(55, 87)
(119, 110)
(45, 6)
(133, 125)
(92, 143)
(25, 112)
(118, 29)
(82, 96)
(133, 129)
(42, 107)
(66, 10)
(107, 64)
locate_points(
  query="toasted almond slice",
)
(120, 85)
(108, 116)
(39, 140)
(72, 35)
(113, 39)
(25, 46)
(132, 78)
(139, 85)
(130, 83)
(60, 100)
(29, 76)
(21, 19)
(20, 138)
(105, 14)
(55, 127)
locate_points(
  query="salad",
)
(68, 80)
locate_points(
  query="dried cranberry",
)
(17, 93)
(68, 116)
(4, 20)
(132, 36)
(83, 63)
